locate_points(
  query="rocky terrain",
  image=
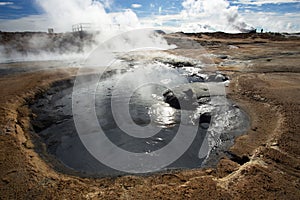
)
(265, 161)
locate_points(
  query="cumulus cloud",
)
(125, 19)
(271, 21)
(135, 5)
(216, 13)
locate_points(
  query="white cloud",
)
(6, 3)
(135, 5)
(125, 19)
(218, 15)
(261, 2)
(271, 21)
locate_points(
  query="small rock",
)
(186, 100)
(205, 118)
(185, 96)
(203, 100)
(254, 129)
(274, 144)
(171, 99)
(236, 106)
(262, 99)
(223, 56)
(217, 78)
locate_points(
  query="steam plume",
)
(218, 13)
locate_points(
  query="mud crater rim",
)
(62, 122)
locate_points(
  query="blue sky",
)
(14, 9)
(21, 8)
(277, 14)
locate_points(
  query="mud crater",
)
(217, 122)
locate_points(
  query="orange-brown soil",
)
(267, 158)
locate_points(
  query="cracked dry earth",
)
(266, 161)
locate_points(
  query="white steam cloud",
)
(214, 14)
(62, 15)
(202, 16)
(88, 15)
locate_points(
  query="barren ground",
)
(267, 158)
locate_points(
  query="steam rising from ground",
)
(101, 27)
(197, 15)
(63, 15)
(215, 14)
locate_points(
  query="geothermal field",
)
(149, 115)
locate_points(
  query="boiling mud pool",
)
(136, 117)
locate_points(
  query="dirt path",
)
(266, 162)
